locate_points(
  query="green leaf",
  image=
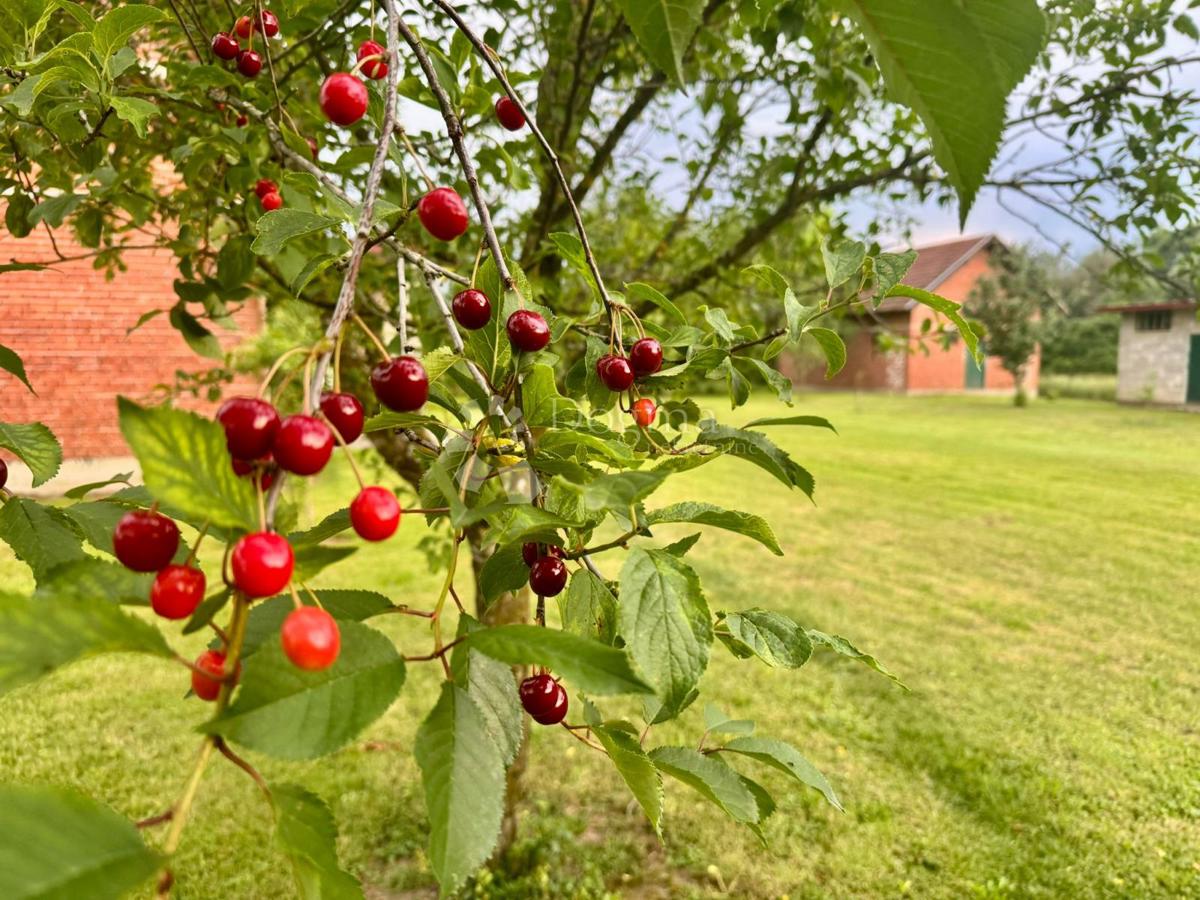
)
(43, 633)
(843, 647)
(587, 665)
(842, 261)
(637, 291)
(493, 687)
(711, 778)
(82, 490)
(637, 770)
(504, 571)
(815, 421)
(720, 324)
(758, 449)
(772, 637)
(275, 229)
(136, 112)
(97, 579)
(947, 308)
(589, 608)
(267, 616)
(20, 205)
(768, 276)
(312, 268)
(665, 622)
(570, 248)
(10, 362)
(716, 722)
(786, 758)
(40, 537)
(185, 464)
(307, 834)
(200, 339)
(621, 490)
(750, 525)
(119, 25)
(797, 315)
(290, 713)
(832, 346)
(954, 64)
(314, 558)
(463, 774)
(541, 403)
(36, 446)
(664, 29)
(890, 269)
(235, 262)
(57, 843)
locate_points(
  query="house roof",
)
(935, 263)
(1149, 306)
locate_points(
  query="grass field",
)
(1031, 574)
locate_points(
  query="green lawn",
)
(1031, 574)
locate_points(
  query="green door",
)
(1193, 391)
(974, 380)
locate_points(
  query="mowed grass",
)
(1031, 575)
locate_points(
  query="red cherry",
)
(262, 564)
(249, 63)
(271, 201)
(537, 693)
(531, 550)
(548, 576)
(443, 213)
(644, 412)
(376, 68)
(345, 414)
(224, 46)
(343, 98)
(615, 372)
(243, 120)
(250, 426)
(177, 591)
(472, 309)
(558, 712)
(265, 186)
(646, 357)
(310, 638)
(3, 473)
(207, 687)
(303, 445)
(375, 514)
(268, 23)
(527, 330)
(312, 147)
(244, 27)
(401, 384)
(145, 541)
(509, 114)
(263, 468)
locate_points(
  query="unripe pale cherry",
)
(343, 98)
(303, 445)
(509, 114)
(472, 309)
(646, 357)
(644, 412)
(443, 213)
(271, 201)
(527, 330)
(401, 384)
(177, 591)
(375, 514)
(145, 540)
(261, 564)
(375, 68)
(345, 414)
(310, 638)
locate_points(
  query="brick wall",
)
(866, 368)
(68, 324)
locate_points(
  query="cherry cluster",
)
(248, 61)
(618, 373)
(268, 195)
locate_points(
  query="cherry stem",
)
(478, 260)
(295, 595)
(337, 360)
(412, 151)
(345, 449)
(308, 386)
(271, 372)
(383, 351)
(439, 653)
(196, 546)
(244, 766)
(581, 738)
(315, 599)
(432, 511)
(155, 820)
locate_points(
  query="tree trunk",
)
(1020, 398)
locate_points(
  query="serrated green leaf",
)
(135, 111)
(290, 713)
(637, 291)
(637, 770)
(947, 308)
(39, 536)
(82, 490)
(276, 228)
(750, 525)
(570, 248)
(843, 647)
(235, 262)
(307, 834)
(716, 722)
(814, 421)
(587, 665)
(842, 261)
(36, 446)
(621, 490)
(771, 636)
(266, 617)
(504, 571)
(493, 687)
(786, 758)
(890, 269)
(711, 778)
(312, 268)
(200, 339)
(97, 579)
(463, 774)
(758, 449)
(664, 30)
(118, 25)
(832, 346)
(10, 362)
(185, 464)
(589, 608)
(57, 844)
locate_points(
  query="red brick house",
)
(950, 269)
(68, 323)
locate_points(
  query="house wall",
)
(1152, 366)
(866, 369)
(68, 324)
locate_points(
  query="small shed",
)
(1158, 354)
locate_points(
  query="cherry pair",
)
(300, 444)
(145, 540)
(618, 373)
(268, 195)
(544, 699)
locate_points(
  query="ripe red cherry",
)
(615, 372)
(376, 68)
(375, 514)
(177, 591)
(527, 330)
(472, 309)
(343, 98)
(268, 23)
(243, 120)
(303, 445)
(345, 414)
(646, 357)
(644, 412)
(262, 564)
(531, 550)
(558, 711)
(3, 473)
(271, 201)
(145, 541)
(262, 468)
(548, 576)
(310, 638)
(537, 694)
(250, 426)
(207, 687)
(225, 46)
(401, 384)
(249, 63)
(509, 114)
(443, 213)
(265, 186)
(243, 27)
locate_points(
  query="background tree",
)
(1009, 307)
